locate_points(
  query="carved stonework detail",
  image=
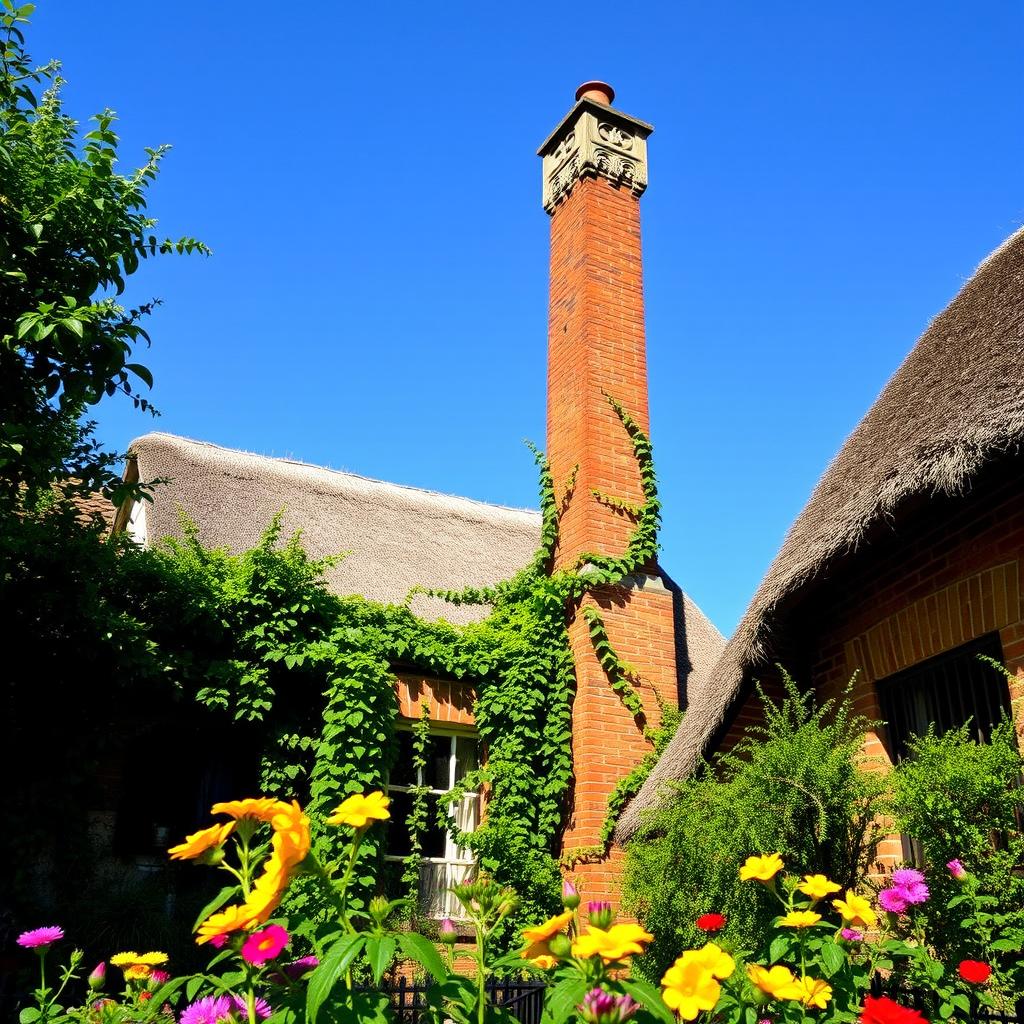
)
(594, 141)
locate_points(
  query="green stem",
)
(346, 878)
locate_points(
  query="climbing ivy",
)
(268, 643)
(416, 823)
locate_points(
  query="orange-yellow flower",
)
(199, 842)
(539, 955)
(138, 965)
(800, 919)
(615, 943)
(817, 887)
(712, 958)
(262, 808)
(553, 925)
(761, 869)
(688, 987)
(231, 919)
(291, 834)
(815, 992)
(856, 909)
(777, 982)
(360, 809)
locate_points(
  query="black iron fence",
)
(523, 999)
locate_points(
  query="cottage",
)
(906, 563)
(398, 538)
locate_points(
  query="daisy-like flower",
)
(761, 869)
(710, 922)
(138, 966)
(816, 992)
(199, 842)
(261, 808)
(539, 954)
(977, 972)
(291, 834)
(799, 919)
(778, 982)
(852, 935)
(689, 988)
(208, 1010)
(264, 945)
(616, 943)
(817, 887)
(242, 1007)
(41, 938)
(856, 909)
(883, 1010)
(361, 809)
(892, 900)
(711, 957)
(553, 925)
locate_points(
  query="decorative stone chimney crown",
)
(594, 140)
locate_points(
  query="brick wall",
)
(948, 573)
(596, 344)
(450, 701)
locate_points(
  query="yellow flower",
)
(224, 922)
(856, 909)
(262, 808)
(553, 925)
(615, 943)
(800, 919)
(815, 992)
(777, 982)
(539, 955)
(267, 890)
(360, 809)
(712, 958)
(761, 869)
(291, 834)
(138, 965)
(688, 987)
(201, 841)
(817, 887)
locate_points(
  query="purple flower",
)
(915, 892)
(570, 895)
(852, 935)
(297, 968)
(600, 913)
(39, 938)
(956, 869)
(902, 877)
(242, 1007)
(892, 900)
(600, 1007)
(208, 1010)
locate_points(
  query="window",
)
(945, 691)
(449, 757)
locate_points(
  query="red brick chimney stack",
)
(595, 170)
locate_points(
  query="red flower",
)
(974, 971)
(711, 922)
(884, 1011)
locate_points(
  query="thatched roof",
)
(955, 404)
(397, 537)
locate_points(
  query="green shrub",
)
(960, 799)
(793, 785)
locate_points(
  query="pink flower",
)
(910, 884)
(262, 1007)
(39, 938)
(852, 935)
(570, 895)
(98, 976)
(158, 977)
(599, 912)
(264, 945)
(600, 1007)
(208, 1010)
(916, 892)
(218, 941)
(297, 968)
(956, 869)
(892, 900)
(906, 876)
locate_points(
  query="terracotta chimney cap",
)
(600, 92)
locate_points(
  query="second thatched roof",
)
(955, 404)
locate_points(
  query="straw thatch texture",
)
(955, 403)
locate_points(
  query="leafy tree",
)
(72, 230)
(793, 786)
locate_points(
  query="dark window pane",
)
(434, 835)
(439, 754)
(398, 830)
(465, 756)
(402, 771)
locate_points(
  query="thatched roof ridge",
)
(955, 403)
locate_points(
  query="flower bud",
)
(98, 976)
(158, 978)
(570, 895)
(379, 909)
(447, 932)
(957, 870)
(600, 913)
(560, 946)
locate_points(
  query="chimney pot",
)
(599, 92)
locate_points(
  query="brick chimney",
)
(595, 171)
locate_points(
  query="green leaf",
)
(193, 986)
(424, 952)
(648, 996)
(946, 1011)
(216, 903)
(141, 372)
(779, 948)
(832, 958)
(334, 963)
(564, 998)
(28, 1015)
(380, 951)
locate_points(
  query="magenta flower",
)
(158, 977)
(262, 1007)
(264, 945)
(40, 938)
(570, 895)
(600, 913)
(852, 935)
(956, 869)
(208, 1010)
(916, 892)
(892, 900)
(600, 1007)
(98, 975)
(297, 968)
(902, 877)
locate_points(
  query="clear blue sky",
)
(823, 178)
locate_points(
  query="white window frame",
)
(438, 874)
